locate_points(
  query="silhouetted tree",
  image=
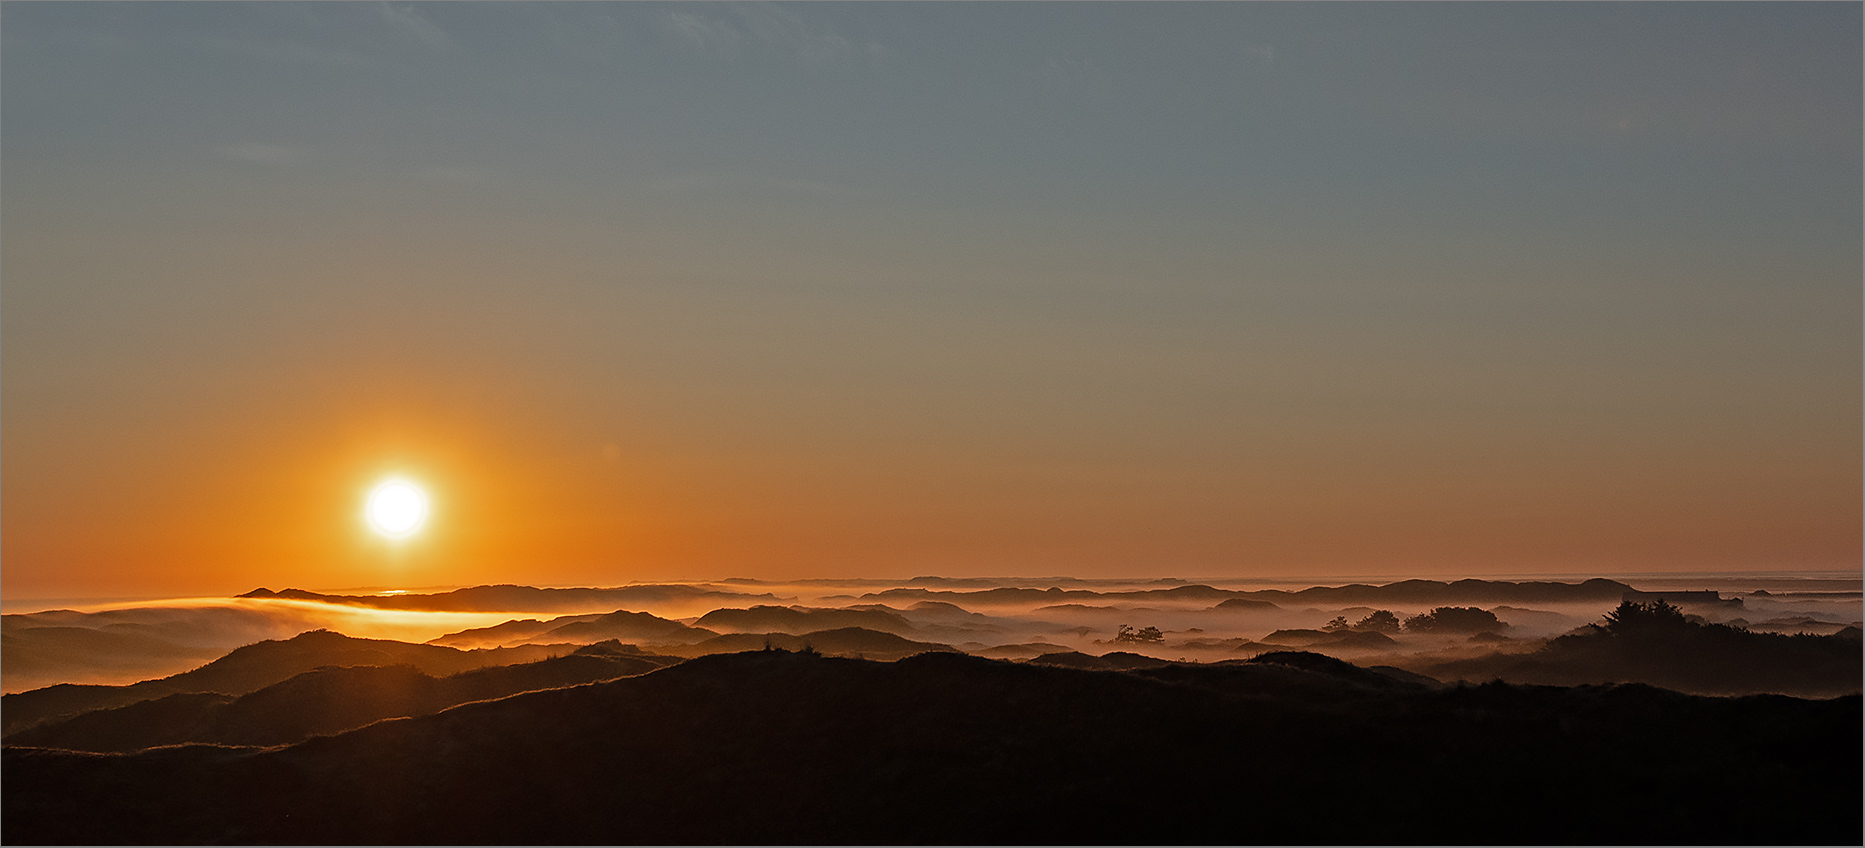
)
(1144, 634)
(1381, 621)
(1455, 620)
(1339, 624)
(1632, 616)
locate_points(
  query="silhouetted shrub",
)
(1455, 620)
(1380, 621)
(1144, 634)
(1656, 615)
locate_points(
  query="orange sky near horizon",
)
(1422, 290)
(522, 497)
(558, 456)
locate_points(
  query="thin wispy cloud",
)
(414, 25)
(774, 29)
(704, 33)
(813, 44)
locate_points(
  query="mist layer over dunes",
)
(1462, 629)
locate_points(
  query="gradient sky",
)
(650, 291)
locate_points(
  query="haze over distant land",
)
(649, 292)
(1004, 617)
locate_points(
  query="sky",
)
(652, 291)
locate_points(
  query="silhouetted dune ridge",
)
(1322, 637)
(256, 666)
(322, 701)
(772, 747)
(623, 624)
(1111, 660)
(800, 620)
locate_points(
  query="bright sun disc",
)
(397, 508)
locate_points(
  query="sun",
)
(397, 509)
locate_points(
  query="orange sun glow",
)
(397, 509)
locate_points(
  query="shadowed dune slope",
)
(770, 747)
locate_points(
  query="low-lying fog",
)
(1015, 618)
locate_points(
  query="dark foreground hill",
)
(943, 748)
(327, 700)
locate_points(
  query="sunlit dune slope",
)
(771, 747)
